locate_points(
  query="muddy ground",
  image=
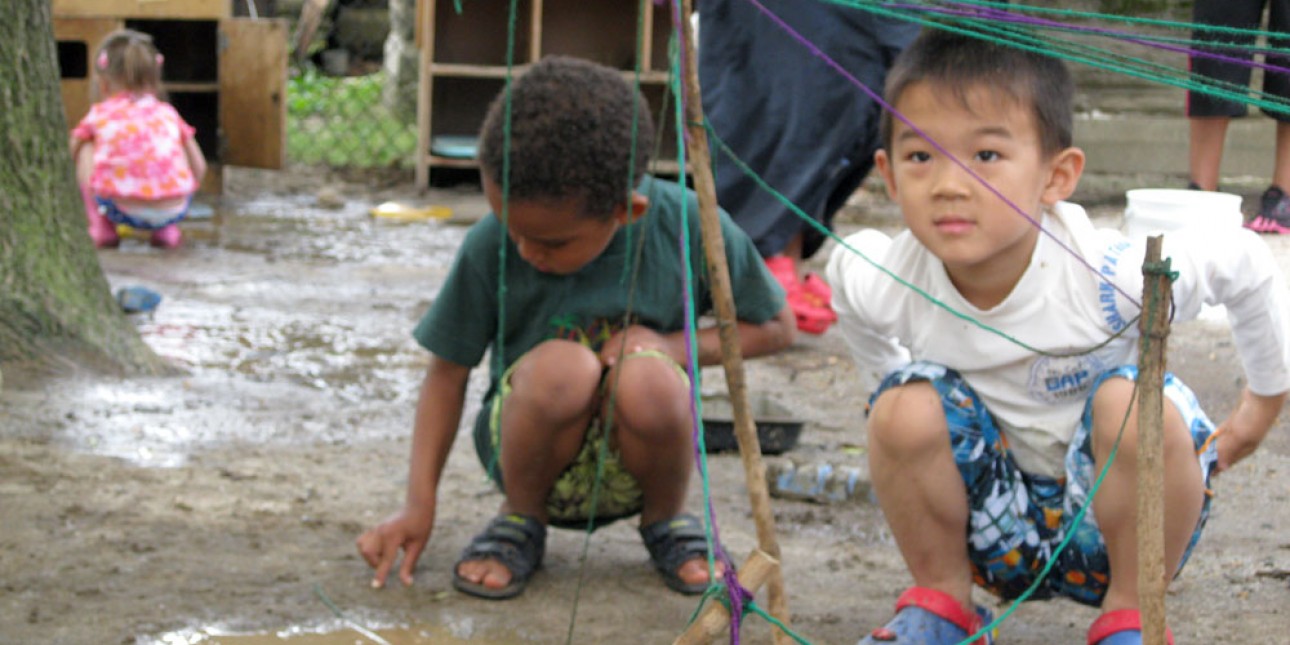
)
(226, 501)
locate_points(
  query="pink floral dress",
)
(138, 148)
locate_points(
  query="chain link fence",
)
(351, 94)
(343, 122)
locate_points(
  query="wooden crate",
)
(226, 76)
(174, 9)
(463, 61)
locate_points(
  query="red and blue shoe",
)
(1120, 627)
(929, 617)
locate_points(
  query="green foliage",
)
(341, 121)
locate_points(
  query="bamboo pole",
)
(716, 618)
(731, 356)
(1154, 328)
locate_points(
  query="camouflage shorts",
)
(570, 502)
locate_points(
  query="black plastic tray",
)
(777, 430)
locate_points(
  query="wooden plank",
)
(76, 100)
(535, 33)
(425, 83)
(311, 15)
(90, 31)
(252, 83)
(189, 9)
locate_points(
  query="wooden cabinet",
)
(226, 76)
(463, 63)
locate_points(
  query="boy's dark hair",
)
(571, 135)
(959, 63)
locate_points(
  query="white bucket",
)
(1155, 211)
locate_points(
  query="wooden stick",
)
(425, 84)
(715, 619)
(1154, 328)
(723, 301)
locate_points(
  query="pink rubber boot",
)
(167, 237)
(101, 229)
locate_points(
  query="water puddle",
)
(458, 634)
(272, 304)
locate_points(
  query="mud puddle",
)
(461, 633)
(272, 301)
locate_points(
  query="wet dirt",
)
(221, 506)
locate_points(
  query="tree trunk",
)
(55, 304)
(401, 61)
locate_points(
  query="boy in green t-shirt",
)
(591, 337)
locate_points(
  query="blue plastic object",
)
(454, 146)
(137, 299)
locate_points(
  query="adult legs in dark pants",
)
(806, 130)
(1210, 116)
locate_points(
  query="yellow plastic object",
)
(407, 213)
(124, 231)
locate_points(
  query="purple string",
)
(737, 594)
(815, 51)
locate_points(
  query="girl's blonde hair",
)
(127, 60)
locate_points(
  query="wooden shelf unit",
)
(226, 76)
(463, 61)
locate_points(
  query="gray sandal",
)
(672, 543)
(518, 542)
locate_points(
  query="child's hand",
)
(1245, 429)
(409, 530)
(638, 339)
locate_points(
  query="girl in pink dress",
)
(137, 162)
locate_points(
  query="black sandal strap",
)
(516, 541)
(675, 541)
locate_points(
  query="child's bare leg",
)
(544, 419)
(1116, 503)
(1205, 150)
(652, 423)
(919, 488)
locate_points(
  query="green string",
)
(984, 30)
(1153, 305)
(824, 230)
(499, 354)
(1101, 58)
(692, 367)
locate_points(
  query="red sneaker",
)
(810, 300)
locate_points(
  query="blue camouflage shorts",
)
(1016, 519)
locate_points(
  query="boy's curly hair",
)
(571, 135)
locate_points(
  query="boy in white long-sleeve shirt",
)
(1018, 347)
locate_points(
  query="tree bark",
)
(55, 304)
(401, 61)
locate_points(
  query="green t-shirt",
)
(588, 306)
